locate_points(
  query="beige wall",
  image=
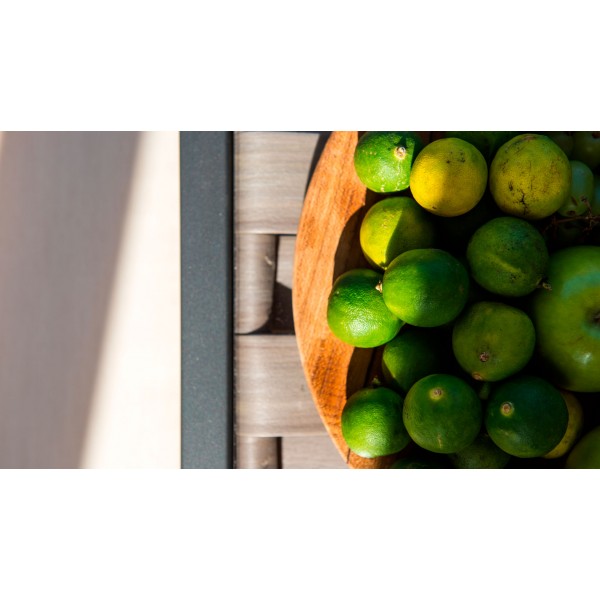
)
(89, 299)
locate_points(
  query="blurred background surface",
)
(89, 300)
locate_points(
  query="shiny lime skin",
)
(567, 319)
(526, 416)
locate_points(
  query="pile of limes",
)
(456, 243)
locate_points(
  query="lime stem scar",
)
(506, 408)
(400, 152)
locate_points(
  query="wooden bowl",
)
(327, 245)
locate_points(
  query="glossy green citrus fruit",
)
(442, 413)
(493, 340)
(356, 312)
(526, 416)
(372, 422)
(383, 159)
(393, 226)
(508, 256)
(426, 287)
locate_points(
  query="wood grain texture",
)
(310, 452)
(255, 265)
(272, 399)
(257, 452)
(326, 246)
(272, 171)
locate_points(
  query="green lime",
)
(493, 340)
(383, 159)
(582, 190)
(481, 454)
(508, 256)
(356, 312)
(526, 416)
(586, 453)
(530, 177)
(372, 423)
(412, 354)
(393, 226)
(426, 287)
(442, 413)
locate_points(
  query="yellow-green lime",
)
(574, 426)
(530, 176)
(586, 452)
(508, 256)
(412, 354)
(449, 177)
(426, 287)
(442, 413)
(356, 311)
(582, 190)
(481, 454)
(526, 416)
(393, 226)
(493, 340)
(372, 422)
(383, 159)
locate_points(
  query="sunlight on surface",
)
(89, 300)
(135, 411)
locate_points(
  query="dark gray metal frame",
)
(206, 160)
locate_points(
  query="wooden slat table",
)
(275, 421)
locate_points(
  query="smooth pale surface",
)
(89, 299)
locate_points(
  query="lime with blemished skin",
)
(526, 416)
(393, 226)
(356, 311)
(492, 340)
(383, 159)
(372, 424)
(530, 177)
